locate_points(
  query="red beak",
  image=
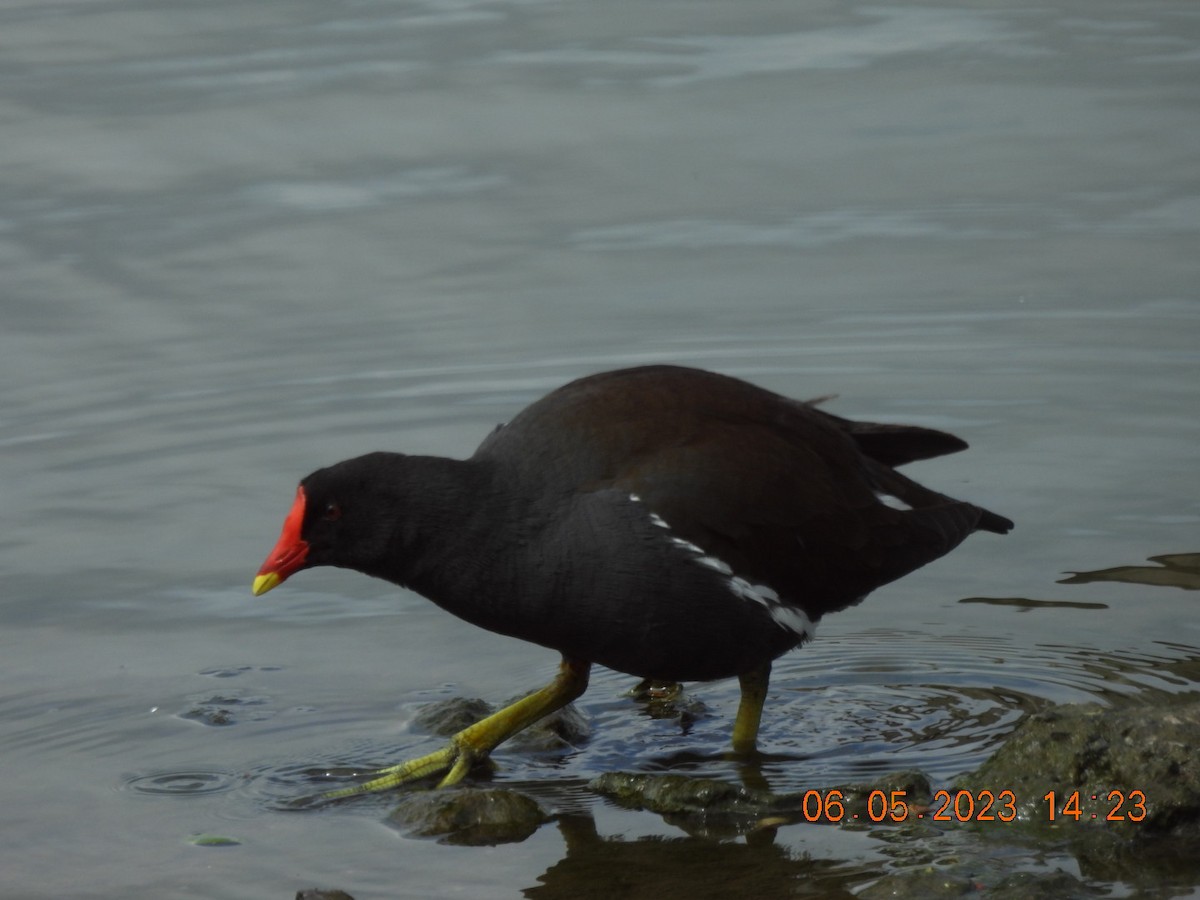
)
(290, 552)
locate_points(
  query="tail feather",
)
(895, 445)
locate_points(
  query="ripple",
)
(301, 785)
(188, 783)
(853, 707)
(895, 700)
(846, 709)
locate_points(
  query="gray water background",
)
(243, 240)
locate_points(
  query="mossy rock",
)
(1138, 761)
(468, 816)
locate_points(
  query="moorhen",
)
(671, 523)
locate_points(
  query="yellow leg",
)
(754, 695)
(475, 742)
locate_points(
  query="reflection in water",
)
(1024, 604)
(658, 869)
(1181, 570)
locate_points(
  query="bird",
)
(671, 523)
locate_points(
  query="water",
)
(241, 241)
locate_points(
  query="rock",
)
(669, 700)
(715, 808)
(927, 882)
(565, 729)
(680, 794)
(1041, 886)
(700, 806)
(1131, 770)
(1126, 786)
(448, 717)
(468, 816)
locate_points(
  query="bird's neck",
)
(444, 510)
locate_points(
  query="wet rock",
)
(669, 700)
(469, 816)
(448, 717)
(1131, 770)
(213, 711)
(711, 808)
(893, 799)
(673, 794)
(1126, 785)
(699, 806)
(565, 729)
(1041, 886)
(219, 709)
(928, 882)
(679, 795)
(957, 881)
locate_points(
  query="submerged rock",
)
(681, 794)
(669, 700)
(699, 806)
(468, 816)
(926, 882)
(932, 882)
(712, 807)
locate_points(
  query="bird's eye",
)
(332, 513)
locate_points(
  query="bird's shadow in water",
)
(658, 867)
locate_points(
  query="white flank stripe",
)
(687, 545)
(713, 563)
(891, 500)
(786, 617)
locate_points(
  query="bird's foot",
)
(456, 759)
(474, 743)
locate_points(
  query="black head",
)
(346, 515)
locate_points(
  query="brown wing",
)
(807, 524)
(786, 495)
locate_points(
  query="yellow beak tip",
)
(263, 583)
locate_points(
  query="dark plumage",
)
(666, 522)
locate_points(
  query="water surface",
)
(241, 241)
